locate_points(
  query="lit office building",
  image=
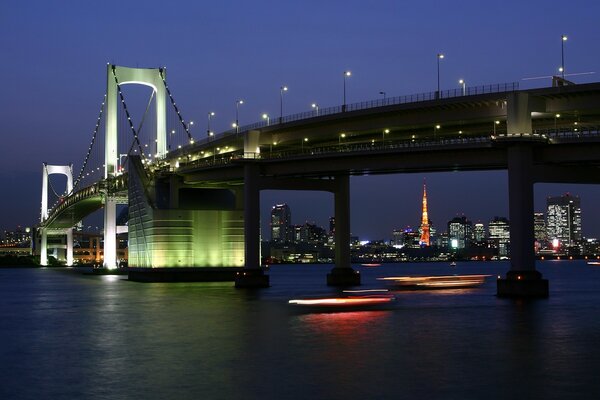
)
(460, 233)
(281, 226)
(563, 220)
(499, 234)
(539, 228)
(479, 232)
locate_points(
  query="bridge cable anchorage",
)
(185, 127)
(87, 156)
(133, 131)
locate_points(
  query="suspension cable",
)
(185, 127)
(133, 131)
(87, 156)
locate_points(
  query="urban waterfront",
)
(66, 335)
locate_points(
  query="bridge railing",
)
(388, 101)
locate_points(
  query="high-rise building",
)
(424, 241)
(563, 220)
(281, 223)
(539, 228)
(499, 234)
(460, 233)
(479, 232)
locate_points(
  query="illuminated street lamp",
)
(556, 117)
(189, 131)
(439, 57)
(303, 141)
(496, 123)
(265, 116)
(208, 131)
(562, 55)
(464, 86)
(316, 107)
(383, 133)
(346, 75)
(237, 112)
(281, 90)
(342, 136)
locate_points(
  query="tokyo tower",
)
(424, 241)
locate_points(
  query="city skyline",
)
(56, 68)
(438, 225)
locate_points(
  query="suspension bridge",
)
(193, 204)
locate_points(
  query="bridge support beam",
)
(522, 280)
(110, 233)
(342, 274)
(44, 247)
(252, 276)
(69, 254)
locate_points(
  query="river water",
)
(65, 335)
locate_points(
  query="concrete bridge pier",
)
(44, 247)
(252, 276)
(522, 280)
(342, 274)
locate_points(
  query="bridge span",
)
(198, 204)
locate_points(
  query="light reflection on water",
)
(66, 335)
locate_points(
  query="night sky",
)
(54, 56)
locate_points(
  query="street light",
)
(237, 112)
(304, 140)
(562, 55)
(383, 133)
(383, 94)
(266, 117)
(208, 131)
(346, 75)
(439, 57)
(464, 86)
(189, 131)
(556, 116)
(496, 123)
(342, 136)
(316, 107)
(281, 90)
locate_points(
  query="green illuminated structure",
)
(171, 225)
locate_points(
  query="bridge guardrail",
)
(364, 105)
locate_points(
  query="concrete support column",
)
(342, 274)
(70, 247)
(251, 217)
(252, 144)
(522, 280)
(252, 276)
(44, 247)
(110, 233)
(520, 206)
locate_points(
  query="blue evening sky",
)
(54, 56)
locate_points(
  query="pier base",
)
(522, 284)
(343, 277)
(251, 279)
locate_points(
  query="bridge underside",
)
(73, 214)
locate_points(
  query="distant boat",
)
(371, 265)
(453, 264)
(593, 263)
(436, 281)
